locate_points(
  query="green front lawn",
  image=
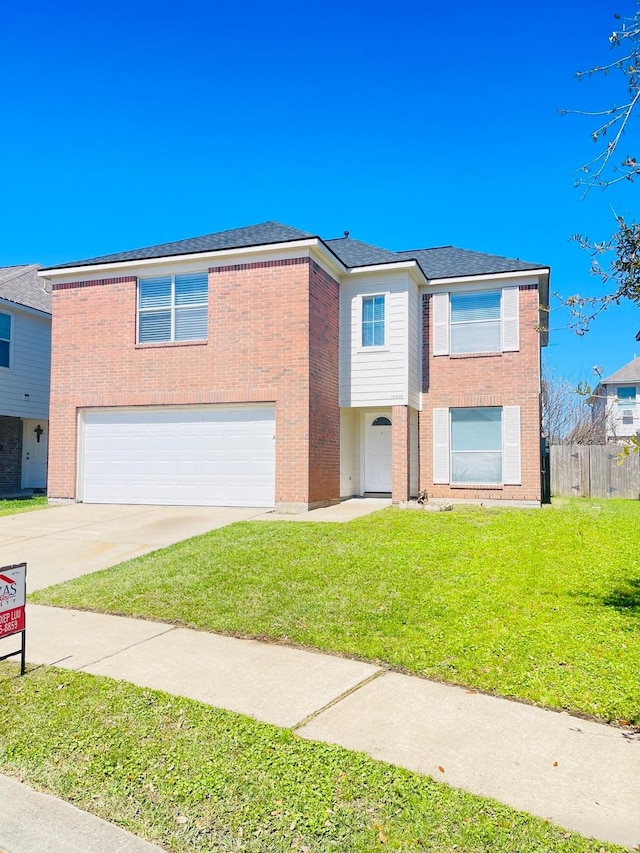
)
(193, 778)
(11, 507)
(541, 605)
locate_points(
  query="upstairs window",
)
(373, 321)
(626, 396)
(475, 322)
(5, 339)
(173, 308)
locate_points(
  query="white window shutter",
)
(440, 309)
(510, 319)
(441, 445)
(511, 475)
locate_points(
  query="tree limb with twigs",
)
(615, 261)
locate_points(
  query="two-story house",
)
(615, 403)
(25, 357)
(266, 366)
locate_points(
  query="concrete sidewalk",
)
(37, 823)
(580, 774)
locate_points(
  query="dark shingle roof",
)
(443, 262)
(450, 262)
(235, 238)
(354, 253)
(20, 284)
(629, 373)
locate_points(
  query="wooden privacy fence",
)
(592, 471)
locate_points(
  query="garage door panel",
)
(217, 456)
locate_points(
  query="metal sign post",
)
(13, 593)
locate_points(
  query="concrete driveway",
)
(63, 542)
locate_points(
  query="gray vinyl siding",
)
(24, 387)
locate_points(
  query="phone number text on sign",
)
(12, 599)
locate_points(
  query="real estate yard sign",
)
(13, 583)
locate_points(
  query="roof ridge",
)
(231, 238)
(361, 242)
(430, 249)
(19, 269)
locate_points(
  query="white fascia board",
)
(328, 261)
(401, 266)
(210, 258)
(471, 279)
(16, 306)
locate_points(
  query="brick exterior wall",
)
(10, 454)
(324, 407)
(400, 458)
(504, 379)
(267, 323)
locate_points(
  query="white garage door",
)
(196, 455)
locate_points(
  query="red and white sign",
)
(13, 581)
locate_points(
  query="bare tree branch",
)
(601, 171)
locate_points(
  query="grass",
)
(543, 606)
(11, 507)
(193, 778)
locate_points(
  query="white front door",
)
(377, 453)
(35, 436)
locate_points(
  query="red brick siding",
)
(257, 351)
(506, 379)
(400, 458)
(324, 409)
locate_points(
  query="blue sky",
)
(410, 124)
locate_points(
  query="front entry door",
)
(377, 453)
(35, 435)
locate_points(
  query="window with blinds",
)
(476, 445)
(5, 339)
(173, 308)
(373, 321)
(476, 322)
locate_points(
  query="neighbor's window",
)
(5, 339)
(476, 445)
(626, 396)
(475, 322)
(373, 321)
(172, 308)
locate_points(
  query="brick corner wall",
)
(496, 379)
(10, 454)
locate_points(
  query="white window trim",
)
(494, 321)
(626, 402)
(9, 366)
(360, 307)
(509, 321)
(475, 483)
(511, 449)
(172, 307)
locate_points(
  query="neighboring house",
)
(265, 366)
(615, 403)
(25, 359)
